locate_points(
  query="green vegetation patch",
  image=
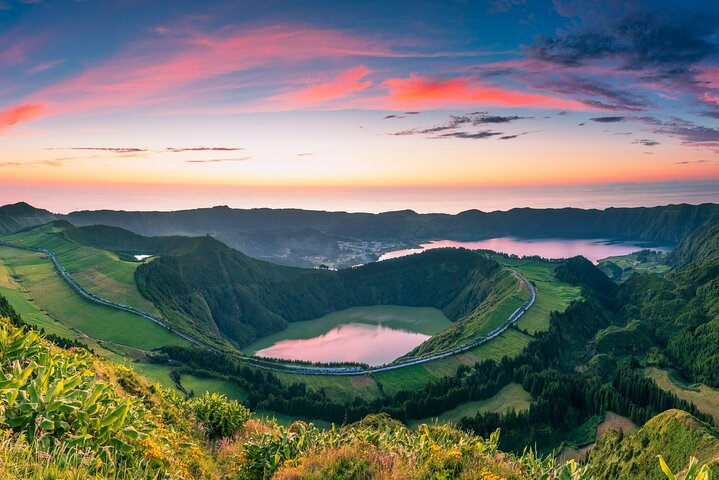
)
(100, 272)
(705, 398)
(50, 293)
(511, 397)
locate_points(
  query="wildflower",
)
(487, 475)
(455, 454)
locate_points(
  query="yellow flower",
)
(487, 475)
(455, 454)
(435, 448)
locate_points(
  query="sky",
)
(362, 106)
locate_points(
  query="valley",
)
(468, 366)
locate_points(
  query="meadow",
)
(36, 275)
(705, 398)
(510, 397)
(98, 271)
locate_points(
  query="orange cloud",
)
(426, 92)
(20, 113)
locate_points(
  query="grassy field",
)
(199, 385)
(552, 295)
(98, 271)
(705, 398)
(423, 320)
(36, 276)
(336, 387)
(510, 397)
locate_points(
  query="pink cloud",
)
(345, 84)
(20, 113)
(180, 65)
(425, 92)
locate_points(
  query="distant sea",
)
(64, 198)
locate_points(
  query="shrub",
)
(221, 417)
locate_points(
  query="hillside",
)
(674, 434)
(303, 237)
(224, 291)
(126, 428)
(21, 215)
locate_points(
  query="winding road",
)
(290, 367)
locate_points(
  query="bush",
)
(222, 417)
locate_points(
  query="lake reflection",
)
(353, 342)
(592, 250)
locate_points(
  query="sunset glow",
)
(236, 95)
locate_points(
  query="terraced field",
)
(39, 281)
(98, 271)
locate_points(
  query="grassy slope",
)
(98, 271)
(674, 434)
(510, 397)
(705, 398)
(552, 295)
(51, 294)
(414, 319)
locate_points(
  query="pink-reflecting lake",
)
(353, 342)
(592, 250)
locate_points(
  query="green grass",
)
(552, 294)
(98, 271)
(425, 320)
(287, 420)
(705, 398)
(200, 385)
(622, 267)
(512, 396)
(338, 388)
(39, 280)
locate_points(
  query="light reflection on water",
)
(593, 250)
(353, 342)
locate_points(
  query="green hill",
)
(223, 291)
(674, 434)
(20, 215)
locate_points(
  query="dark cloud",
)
(387, 117)
(412, 113)
(305, 154)
(595, 93)
(513, 136)
(202, 149)
(608, 119)
(647, 142)
(690, 133)
(694, 162)
(641, 40)
(218, 160)
(103, 149)
(469, 135)
(457, 121)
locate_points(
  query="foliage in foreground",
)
(65, 414)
